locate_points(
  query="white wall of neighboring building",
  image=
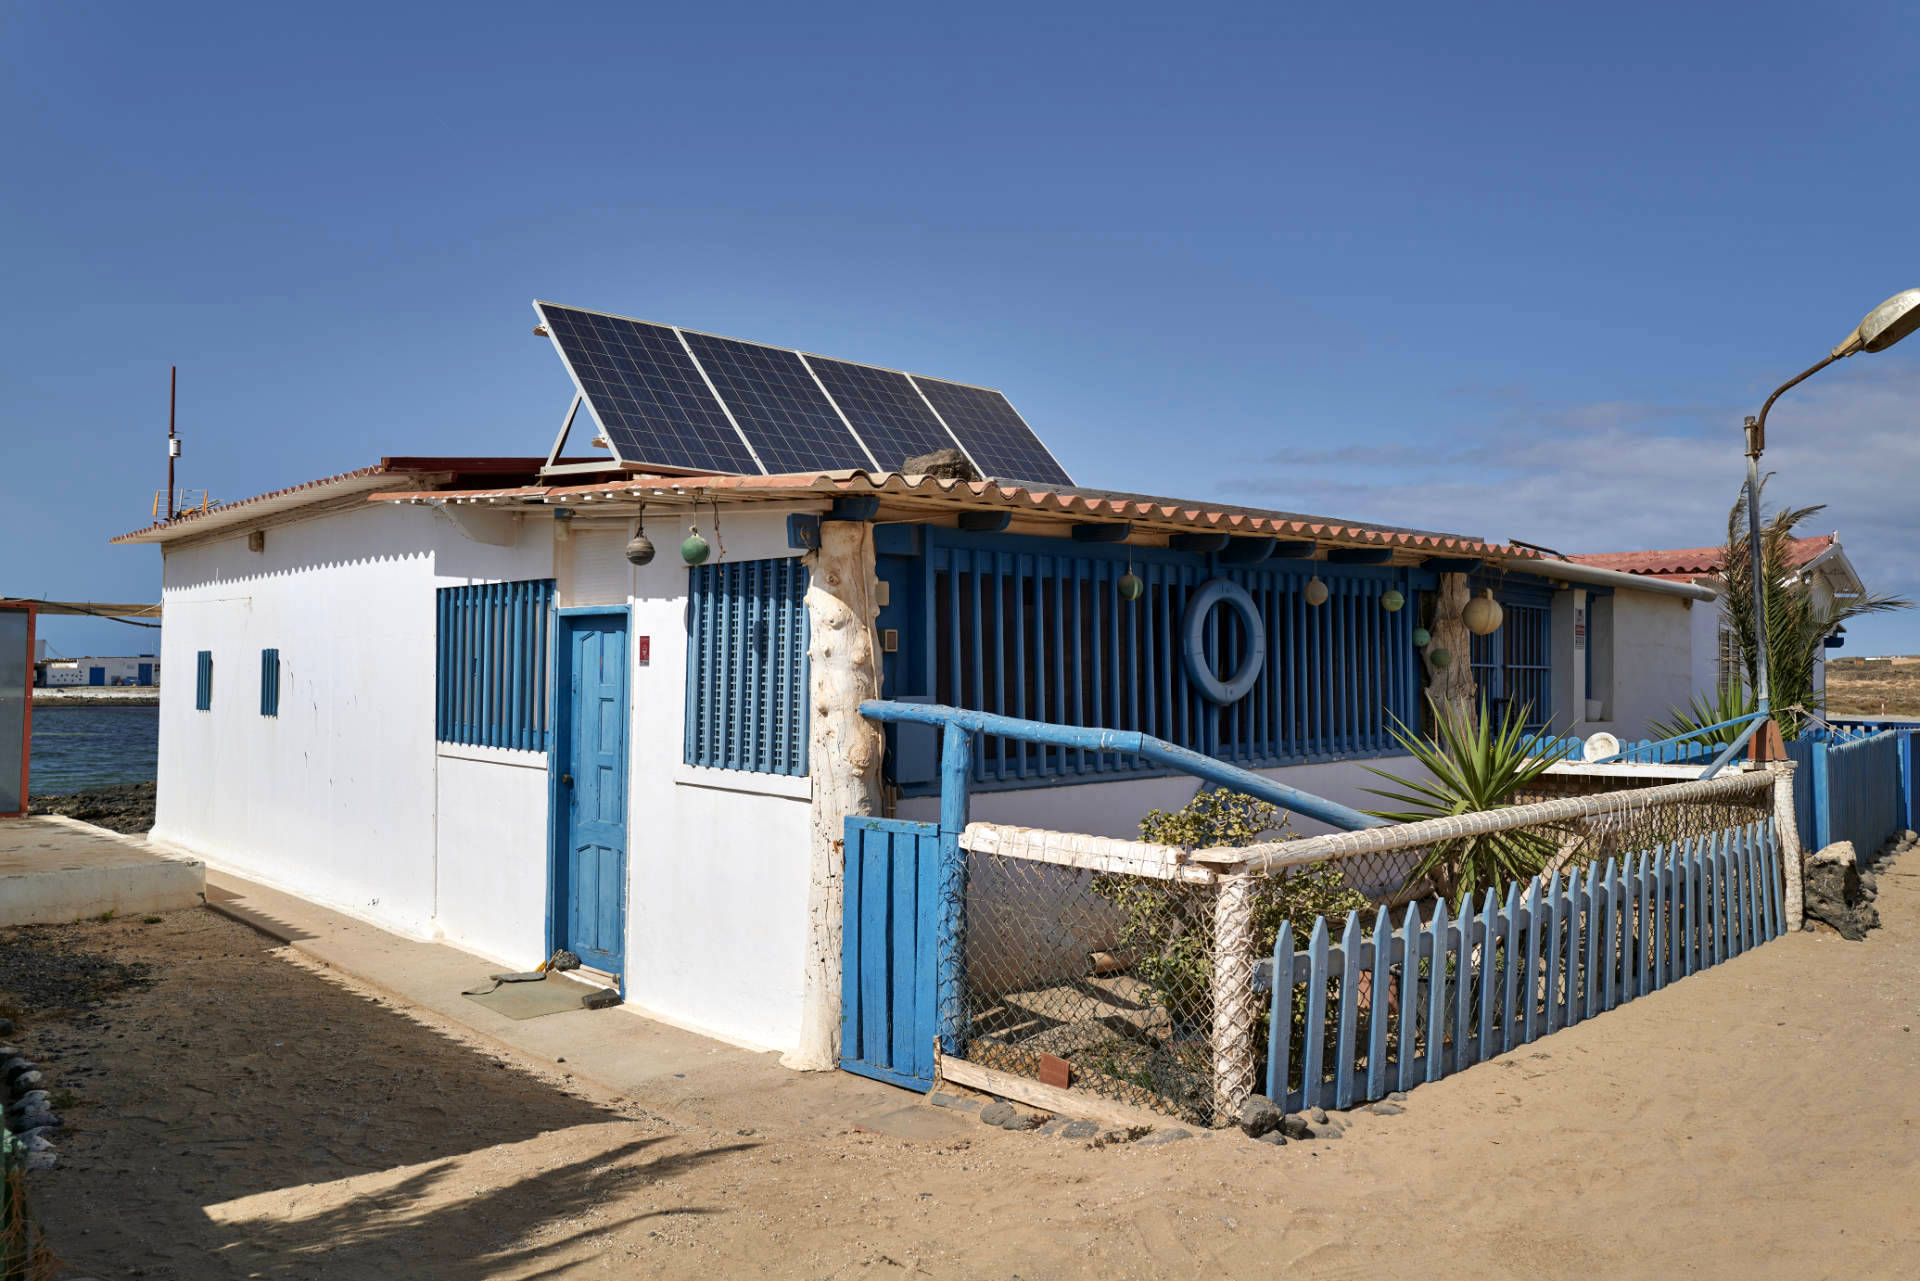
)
(1653, 640)
(1704, 622)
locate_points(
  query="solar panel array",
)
(668, 397)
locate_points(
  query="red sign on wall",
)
(642, 648)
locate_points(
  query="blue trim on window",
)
(203, 682)
(493, 672)
(1036, 628)
(747, 666)
(269, 682)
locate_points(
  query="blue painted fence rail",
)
(1388, 1009)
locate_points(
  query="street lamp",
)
(1884, 326)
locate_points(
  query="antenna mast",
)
(173, 439)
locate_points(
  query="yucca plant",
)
(1708, 708)
(1797, 626)
(1471, 767)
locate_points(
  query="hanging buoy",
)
(1392, 601)
(694, 550)
(1130, 586)
(1440, 658)
(1316, 591)
(1422, 638)
(1483, 614)
(1223, 690)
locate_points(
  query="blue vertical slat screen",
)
(747, 666)
(1036, 628)
(1512, 667)
(269, 682)
(1863, 792)
(1507, 971)
(203, 682)
(491, 682)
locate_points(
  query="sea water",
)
(81, 747)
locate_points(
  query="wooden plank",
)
(850, 1013)
(1349, 1011)
(904, 969)
(1379, 1006)
(1662, 912)
(1593, 916)
(1280, 1017)
(1556, 954)
(1486, 1043)
(1511, 966)
(1410, 940)
(1463, 992)
(1079, 1104)
(1610, 937)
(1313, 1053)
(1770, 876)
(925, 1004)
(875, 962)
(1437, 992)
(1643, 962)
(1536, 909)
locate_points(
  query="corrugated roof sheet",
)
(1689, 562)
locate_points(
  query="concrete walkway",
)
(696, 1080)
(55, 870)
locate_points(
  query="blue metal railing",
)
(959, 725)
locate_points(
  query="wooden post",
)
(1234, 1004)
(843, 756)
(1786, 827)
(1452, 686)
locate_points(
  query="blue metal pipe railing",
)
(956, 759)
(1681, 738)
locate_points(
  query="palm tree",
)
(1797, 626)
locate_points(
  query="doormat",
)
(551, 995)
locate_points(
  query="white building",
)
(372, 719)
(136, 669)
(1820, 561)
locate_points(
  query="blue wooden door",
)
(96, 676)
(889, 970)
(146, 673)
(590, 900)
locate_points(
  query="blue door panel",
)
(890, 921)
(592, 751)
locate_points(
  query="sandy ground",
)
(1874, 689)
(245, 1113)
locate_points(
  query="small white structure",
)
(441, 695)
(137, 669)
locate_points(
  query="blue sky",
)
(1508, 270)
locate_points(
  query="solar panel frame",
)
(779, 406)
(661, 396)
(992, 434)
(894, 431)
(995, 441)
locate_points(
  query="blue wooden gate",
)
(894, 907)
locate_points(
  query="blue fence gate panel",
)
(894, 901)
(1863, 791)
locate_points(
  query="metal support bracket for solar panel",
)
(566, 429)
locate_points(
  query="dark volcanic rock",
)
(942, 464)
(1258, 1116)
(1834, 894)
(124, 807)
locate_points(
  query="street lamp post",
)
(1884, 326)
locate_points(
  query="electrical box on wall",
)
(642, 649)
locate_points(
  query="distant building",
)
(1819, 561)
(60, 673)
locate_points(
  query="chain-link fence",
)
(1132, 970)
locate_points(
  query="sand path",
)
(253, 1115)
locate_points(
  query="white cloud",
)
(1622, 476)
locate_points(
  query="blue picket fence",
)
(1389, 1009)
(1861, 781)
(1645, 751)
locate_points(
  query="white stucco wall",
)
(1651, 663)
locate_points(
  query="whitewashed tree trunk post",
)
(1234, 1001)
(843, 757)
(1786, 826)
(1452, 686)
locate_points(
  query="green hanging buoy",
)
(1440, 658)
(1392, 601)
(694, 550)
(1130, 586)
(1422, 638)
